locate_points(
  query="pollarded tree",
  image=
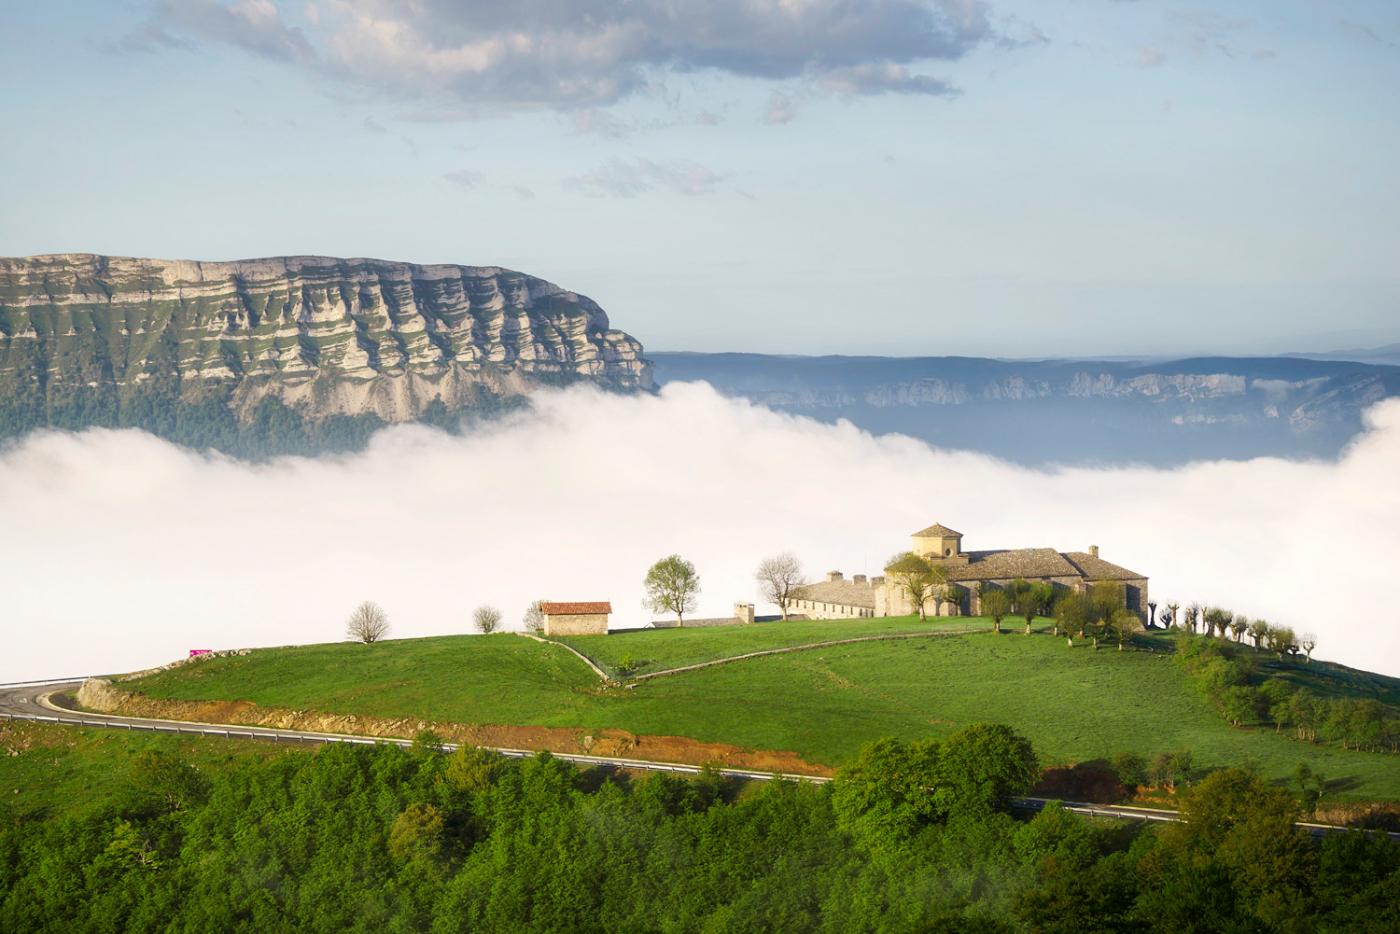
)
(996, 603)
(486, 619)
(952, 595)
(672, 586)
(1123, 623)
(1151, 613)
(777, 576)
(1030, 599)
(369, 623)
(1172, 608)
(1193, 615)
(917, 577)
(1167, 618)
(1308, 641)
(1105, 599)
(1072, 612)
(1258, 632)
(1239, 626)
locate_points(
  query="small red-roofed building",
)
(575, 619)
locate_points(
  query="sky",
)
(123, 551)
(905, 177)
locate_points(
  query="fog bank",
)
(118, 550)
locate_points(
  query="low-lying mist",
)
(119, 551)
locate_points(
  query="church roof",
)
(1011, 563)
(937, 530)
(1097, 569)
(575, 609)
(841, 593)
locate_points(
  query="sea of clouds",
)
(119, 550)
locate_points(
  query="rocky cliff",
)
(83, 335)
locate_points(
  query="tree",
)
(534, 618)
(1172, 608)
(776, 577)
(672, 586)
(996, 603)
(1308, 642)
(369, 623)
(917, 577)
(1123, 623)
(1258, 631)
(1193, 614)
(982, 765)
(1166, 618)
(1239, 626)
(1072, 611)
(1105, 599)
(1151, 613)
(486, 618)
(1030, 599)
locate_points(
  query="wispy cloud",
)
(627, 179)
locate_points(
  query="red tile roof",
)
(575, 609)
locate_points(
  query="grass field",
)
(1075, 704)
(658, 649)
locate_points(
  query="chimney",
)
(878, 581)
(858, 578)
(743, 612)
(1094, 551)
(833, 576)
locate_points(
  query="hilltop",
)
(808, 710)
(296, 352)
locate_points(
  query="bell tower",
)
(938, 543)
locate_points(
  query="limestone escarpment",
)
(325, 336)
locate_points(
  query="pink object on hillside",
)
(195, 653)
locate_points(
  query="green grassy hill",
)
(1075, 704)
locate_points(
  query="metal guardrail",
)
(1117, 812)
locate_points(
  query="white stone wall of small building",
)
(816, 609)
(576, 624)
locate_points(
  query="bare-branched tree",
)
(777, 576)
(486, 619)
(369, 623)
(1308, 642)
(534, 618)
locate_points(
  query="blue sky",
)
(807, 176)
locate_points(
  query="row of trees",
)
(911, 836)
(1221, 623)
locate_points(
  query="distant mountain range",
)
(1042, 412)
(1389, 355)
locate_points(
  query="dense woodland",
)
(911, 836)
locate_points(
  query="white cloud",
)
(119, 550)
(588, 53)
(782, 108)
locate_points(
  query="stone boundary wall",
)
(804, 648)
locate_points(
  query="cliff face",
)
(323, 336)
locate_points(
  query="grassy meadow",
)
(1076, 704)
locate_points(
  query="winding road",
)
(44, 702)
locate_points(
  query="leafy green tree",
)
(1072, 611)
(981, 766)
(1123, 623)
(1258, 631)
(1030, 599)
(418, 831)
(672, 586)
(917, 578)
(883, 797)
(996, 603)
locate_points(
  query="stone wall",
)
(579, 624)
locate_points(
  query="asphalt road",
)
(38, 701)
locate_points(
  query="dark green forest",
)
(910, 837)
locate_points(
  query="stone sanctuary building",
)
(575, 619)
(973, 571)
